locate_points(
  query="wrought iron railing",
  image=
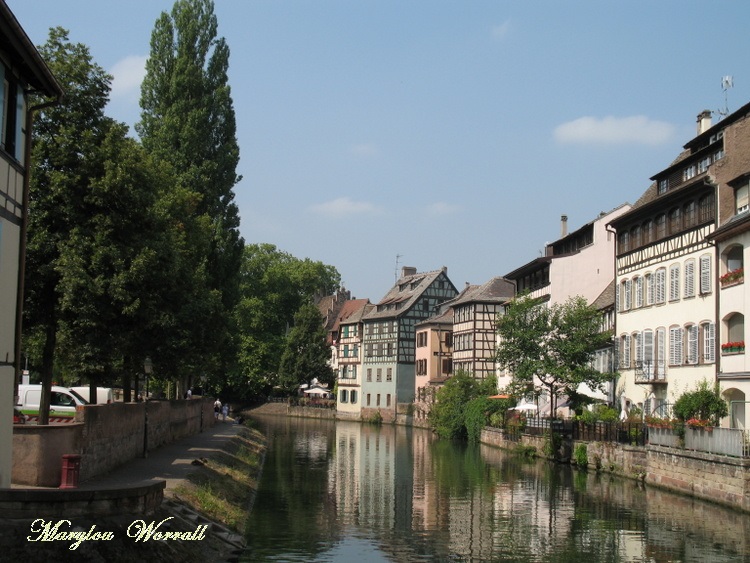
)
(650, 371)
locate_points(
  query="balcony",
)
(650, 371)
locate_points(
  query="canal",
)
(350, 492)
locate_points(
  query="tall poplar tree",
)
(188, 120)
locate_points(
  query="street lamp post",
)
(148, 367)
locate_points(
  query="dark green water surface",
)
(350, 492)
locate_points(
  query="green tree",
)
(274, 285)
(306, 353)
(550, 346)
(448, 416)
(188, 121)
(66, 138)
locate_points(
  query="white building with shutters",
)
(670, 326)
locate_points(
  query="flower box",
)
(733, 347)
(732, 278)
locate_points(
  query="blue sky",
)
(447, 133)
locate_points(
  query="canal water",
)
(350, 492)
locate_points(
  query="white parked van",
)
(103, 395)
(63, 403)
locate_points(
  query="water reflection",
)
(353, 492)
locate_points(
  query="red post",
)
(71, 468)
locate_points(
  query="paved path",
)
(171, 462)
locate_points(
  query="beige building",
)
(433, 362)
(673, 247)
(21, 70)
(347, 334)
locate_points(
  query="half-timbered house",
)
(475, 313)
(389, 338)
(348, 331)
(432, 358)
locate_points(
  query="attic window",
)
(663, 186)
(741, 199)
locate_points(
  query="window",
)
(736, 328)
(741, 199)
(661, 226)
(646, 230)
(690, 213)
(706, 209)
(377, 400)
(688, 173)
(447, 366)
(709, 342)
(389, 373)
(352, 396)
(421, 339)
(692, 344)
(368, 399)
(675, 346)
(624, 241)
(705, 273)
(379, 374)
(675, 221)
(660, 285)
(344, 396)
(625, 351)
(648, 354)
(703, 164)
(663, 186)
(638, 347)
(661, 352)
(13, 130)
(388, 400)
(690, 278)
(635, 237)
(369, 374)
(734, 258)
(674, 282)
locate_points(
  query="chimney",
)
(408, 271)
(704, 121)
(563, 226)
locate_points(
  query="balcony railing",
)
(650, 371)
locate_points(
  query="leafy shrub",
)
(704, 403)
(581, 456)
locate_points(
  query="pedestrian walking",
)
(224, 412)
(189, 394)
(217, 408)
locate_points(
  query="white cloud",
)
(128, 74)
(637, 129)
(365, 150)
(500, 31)
(441, 208)
(344, 206)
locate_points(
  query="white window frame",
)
(705, 274)
(689, 278)
(674, 282)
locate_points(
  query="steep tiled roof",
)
(403, 294)
(497, 290)
(352, 312)
(443, 317)
(606, 298)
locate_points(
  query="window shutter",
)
(661, 276)
(649, 289)
(705, 273)
(675, 346)
(741, 195)
(639, 292)
(628, 295)
(690, 278)
(648, 353)
(661, 352)
(626, 352)
(709, 343)
(638, 349)
(674, 282)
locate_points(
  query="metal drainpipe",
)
(22, 242)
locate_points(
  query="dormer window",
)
(663, 186)
(688, 173)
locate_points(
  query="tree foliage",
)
(273, 287)
(448, 416)
(550, 346)
(188, 123)
(306, 353)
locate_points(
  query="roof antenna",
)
(727, 82)
(395, 271)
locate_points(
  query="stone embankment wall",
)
(716, 478)
(105, 436)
